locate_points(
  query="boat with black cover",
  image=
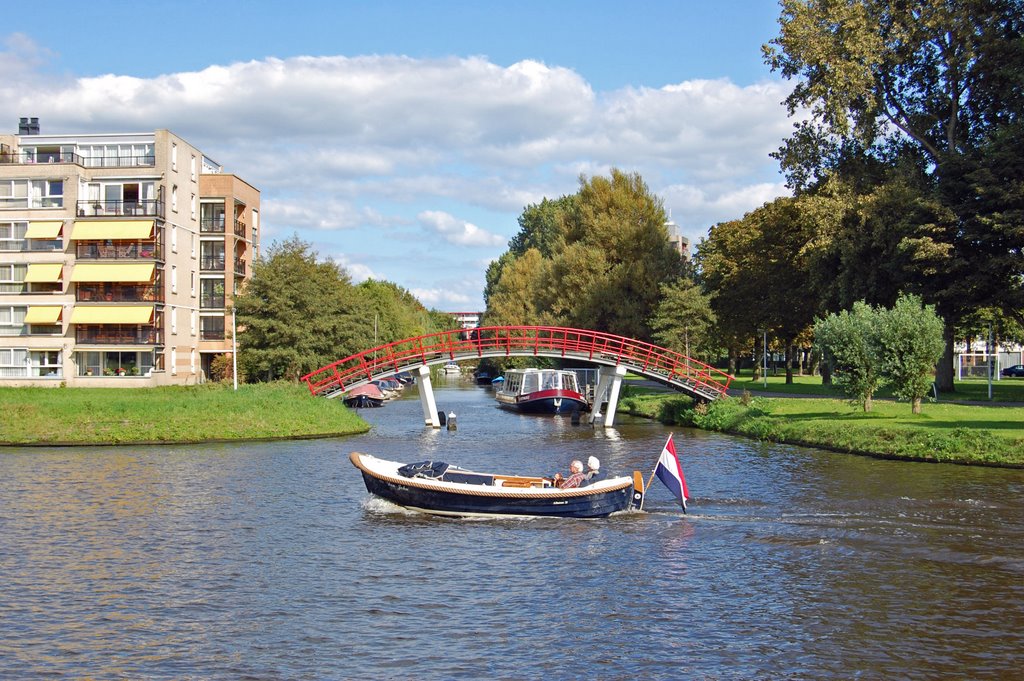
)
(442, 489)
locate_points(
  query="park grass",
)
(943, 432)
(969, 390)
(172, 414)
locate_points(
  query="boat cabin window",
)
(530, 383)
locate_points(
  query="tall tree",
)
(298, 314)
(683, 320)
(910, 340)
(849, 342)
(936, 82)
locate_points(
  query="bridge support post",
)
(614, 382)
(427, 399)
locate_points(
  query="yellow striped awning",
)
(112, 314)
(119, 272)
(43, 314)
(48, 229)
(113, 229)
(39, 272)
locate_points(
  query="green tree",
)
(297, 314)
(910, 343)
(683, 319)
(936, 83)
(849, 340)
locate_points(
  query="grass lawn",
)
(971, 390)
(948, 432)
(171, 414)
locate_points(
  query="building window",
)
(174, 278)
(192, 238)
(211, 255)
(12, 277)
(174, 198)
(211, 293)
(192, 361)
(12, 236)
(174, 362)
(192, 283)
(25, 363)
(174, 156)
(115, 363)
(192, 322)
(211, 328)
(193, 167)
(193, 206)
(12, 320)
(174, 319)
(31, 193)
(174, 238)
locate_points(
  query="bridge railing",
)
(492, 341)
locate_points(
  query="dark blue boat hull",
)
(573, 504)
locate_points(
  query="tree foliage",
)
(936, 85)
(593, 260)
(848, 340)
(297, 314)
(684, 319)
(910, 342)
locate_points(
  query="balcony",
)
(239, 267)
(118, 250)
(211, 301)
(118, 334)
(140, 208)
(120, 161)
(212, 225)
(239, 229)
(120, 293)
(214, 263)
(38, 157)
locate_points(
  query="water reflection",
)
(269, 560)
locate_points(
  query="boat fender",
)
(442, 418)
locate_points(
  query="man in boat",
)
(594, 470)
(576, 476)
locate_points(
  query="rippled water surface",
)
(270, 561)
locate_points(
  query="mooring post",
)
(427, 398)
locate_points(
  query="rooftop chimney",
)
(28, 126)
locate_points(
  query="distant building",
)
(119, 256)
(468, 320)
(678, 241)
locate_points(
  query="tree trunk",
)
(915, 405)
(790, 349)
(826, 371)
(732, 362)
(867, 404)
(944, 370)
(758, 359)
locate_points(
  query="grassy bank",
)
(947, 432)
(84, 416)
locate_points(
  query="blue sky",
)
(403, 139)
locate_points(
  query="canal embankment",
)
(949, 432)
(210, 412)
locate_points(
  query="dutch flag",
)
(671, 473)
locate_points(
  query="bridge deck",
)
(660, 364)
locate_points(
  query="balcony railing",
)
(212, 225)
(35, 157)
(118, 250)
(211, 334)
(24, 157)
(212, 262)
(118, 334)
(240, 267)
(239, 229)
(140, 208)
(211, 301)
(125, 161)
(120, 293)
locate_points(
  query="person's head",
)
(593, 463)
(576, 466)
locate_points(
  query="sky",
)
(403, 139)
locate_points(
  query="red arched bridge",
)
(625, 354)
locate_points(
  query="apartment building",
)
(119, 256)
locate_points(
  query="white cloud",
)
(457, 231)
(359, 152)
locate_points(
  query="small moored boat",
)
(368, 395)
(442, 489)
(541, 391)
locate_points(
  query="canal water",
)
(270, 561)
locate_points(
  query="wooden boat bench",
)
(520, 481)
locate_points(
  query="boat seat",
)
(518, 481)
